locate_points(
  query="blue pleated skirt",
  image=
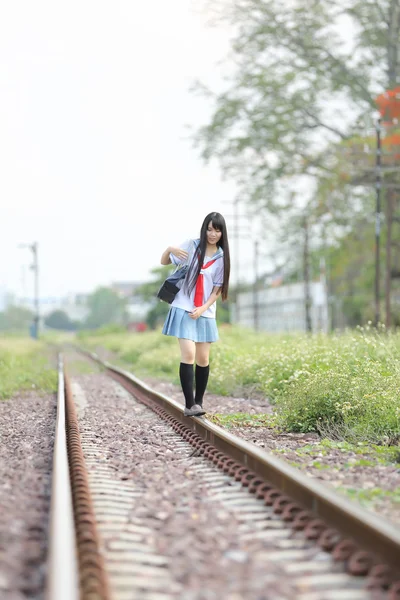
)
(179, 324)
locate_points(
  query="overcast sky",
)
(94, 104)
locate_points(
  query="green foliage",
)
(156, 315)
(16, 318)
(369, 497)
(106, 307)
(295, 105)
(148, 353)
(344, 385)
(298, 106)
(58, 319)
(351, 267)
(148, 291)
(223, 315)
(101, 331)
(25, 365)
(58, 338)
(373, 454)
(379, 454)
(292, 64)
(242, 420)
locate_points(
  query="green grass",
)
(344, 386)
(242, 420)
(377, 454)
(25, 365)
(81, 367)
(368, 498)
(372, 455)
(317, 464)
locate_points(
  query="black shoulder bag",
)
(172, 284)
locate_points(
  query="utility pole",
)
(35, 269)
(234, 235)
(390, 204)
(378, 186)
(237, 236)
(306, 271)
(323, 307)
(255, 287)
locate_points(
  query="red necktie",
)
(199, 293)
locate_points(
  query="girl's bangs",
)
(217, 222)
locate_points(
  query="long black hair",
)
(218, 222)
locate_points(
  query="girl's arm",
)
(199, 310)
(178, 252)
(165, 259)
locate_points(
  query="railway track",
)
(274, 533)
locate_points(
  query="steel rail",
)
(93, 580)
(370, 532)
(62, 583)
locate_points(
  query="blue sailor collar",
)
(218, 254)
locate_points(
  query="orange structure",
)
(391, 144)
(389, 105)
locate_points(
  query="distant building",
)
(136, 308)
(73, 305)
(282, 308)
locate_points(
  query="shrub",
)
(345, 383)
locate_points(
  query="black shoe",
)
(195, 411)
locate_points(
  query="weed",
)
(25, 365)
(343, 386)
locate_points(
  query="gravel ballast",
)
(27, 427)
(375, 485)
(191, 525)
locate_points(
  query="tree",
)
(58, 319)
(351, 274)
(299, 84)
(305, 79)
(148, 291)
(16, 318)
(105, 307)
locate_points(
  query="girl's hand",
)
(196, 313)
(179, 253)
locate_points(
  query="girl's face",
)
(213, 235)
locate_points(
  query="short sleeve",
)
(186, 245)
(218, 278)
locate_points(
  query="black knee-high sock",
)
(186, 377)
(201, 375)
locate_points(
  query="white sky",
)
(94, 104)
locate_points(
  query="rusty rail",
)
(93, 582)
(366, 543)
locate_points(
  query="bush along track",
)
(344, 386)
